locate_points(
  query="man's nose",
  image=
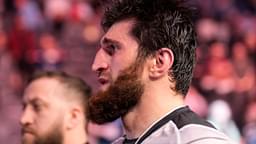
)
(100, 62)
(26, 117)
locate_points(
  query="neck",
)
(153, 106)
(76, 137)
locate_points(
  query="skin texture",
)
(148, 76)
(54, 110)
(43, 112)
(121, 88)
(118, 51)
(118, 99)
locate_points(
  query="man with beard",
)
(55, 106)
(144, 65)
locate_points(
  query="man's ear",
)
(161, 63)
(74, 117)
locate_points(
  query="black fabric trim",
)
(181, 117)
(129, 141)
(189, 117)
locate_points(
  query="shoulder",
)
(199, 134)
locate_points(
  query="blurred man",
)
(145, 65)
(55, 110)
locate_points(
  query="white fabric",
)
(189, 134)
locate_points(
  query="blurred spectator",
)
(30, 14)
(10, 78)
(218, 81)
(56, 12)
(10, 105)
(9, 6)
(50, 54)
(81, 11)
(6, 63)
(249, 130)
(244, 81)
(250, 42)
(22, 45)
(222, 8)
(206, 29)
(221, 117)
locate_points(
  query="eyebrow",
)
(110, 41)
(34, 101)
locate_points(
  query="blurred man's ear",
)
(161, 63)
(75, 116)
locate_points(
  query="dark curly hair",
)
(158, 24)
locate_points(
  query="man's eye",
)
(37, 107)
(24, 106)
(111, 49)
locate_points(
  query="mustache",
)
(27, 129)
(103, 74)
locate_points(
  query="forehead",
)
(46, 89)
(120, 31)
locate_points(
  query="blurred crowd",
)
(64, 35)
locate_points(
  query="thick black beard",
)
(54, 136)
(118, 99)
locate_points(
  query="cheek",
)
(42, 125)
(116, 66)
(119, 64)
(114, 73)
(44, 122)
